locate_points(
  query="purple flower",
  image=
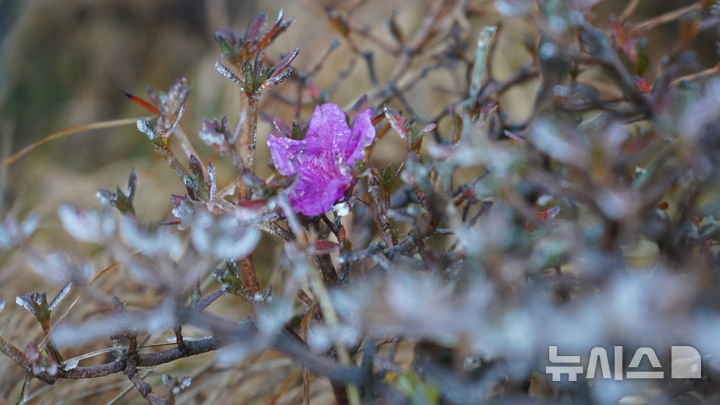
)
(322, 160)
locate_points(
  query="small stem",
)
(664, 18)
(14, 353)
(144, 388)
(252, 129)
(180, 340)
(380, 205)
(697, 75)
(327, 269)
(23, 397)
(54, 353)
(207, 300)
(629, 9)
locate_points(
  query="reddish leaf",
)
(177, 200)
(487, 108)
(623, 39)
(254, 28)
(252, 204)
(548, 213)
(322, 247)
(396, 121)
(142, 103)
(275, 29)
(170, 222)
(313, 90)
(342, 234)
(641, 84)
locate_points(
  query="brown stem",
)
(327, 269)
(54, 353)
(252, 130)
(179, 339)
(248, 275)
(235, 331)
(665, 18)
(697, 75)
(14, 354)
(629, 9)
(144, 388)
(380, 205)
(207, 300)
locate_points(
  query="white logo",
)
(685, 363)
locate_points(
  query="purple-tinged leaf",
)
(215, 133)
(32, 352)
(255, 26)
(285, 62)
(396, 121)
(173, 103)
(277, 28)
(195, 166)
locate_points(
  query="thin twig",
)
(665, 18)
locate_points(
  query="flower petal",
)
(328, 128)
(321, 159)
(311, 198)
(319, 186)
(286, 154)
(363, 135)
